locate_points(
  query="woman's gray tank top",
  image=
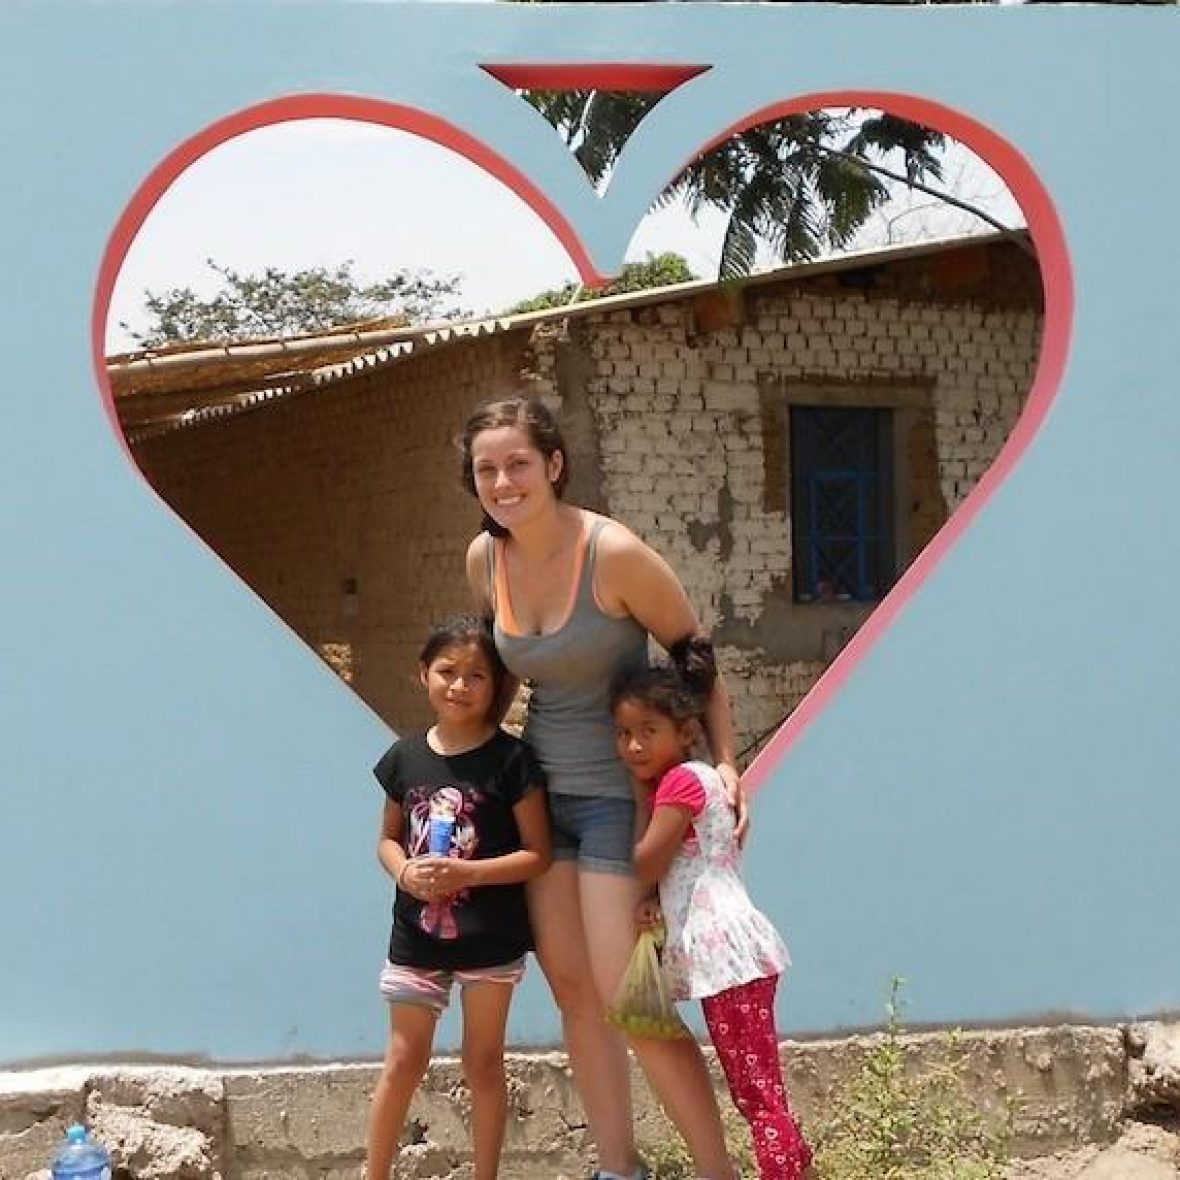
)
(570, 670)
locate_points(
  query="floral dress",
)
(715, 938)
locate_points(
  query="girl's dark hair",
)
(535, 419)
(459, 631)
(679, 689)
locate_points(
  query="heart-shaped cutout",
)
(347, 593)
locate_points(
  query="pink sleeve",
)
(681, 787)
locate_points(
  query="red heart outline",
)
(1031, 195)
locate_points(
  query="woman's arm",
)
(634, 579)
(446, 875)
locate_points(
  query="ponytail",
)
(695, 662)
(680, 688)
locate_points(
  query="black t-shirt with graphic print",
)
(482, 927)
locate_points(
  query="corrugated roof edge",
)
(385, 346)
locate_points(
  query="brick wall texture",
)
(342, 507)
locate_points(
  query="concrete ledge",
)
(1072, 1088)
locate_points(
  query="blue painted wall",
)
(986, 805)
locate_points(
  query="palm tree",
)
(801, 186)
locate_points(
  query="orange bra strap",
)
(501, 599)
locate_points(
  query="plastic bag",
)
(641, 1006)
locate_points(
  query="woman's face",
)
(513, 480)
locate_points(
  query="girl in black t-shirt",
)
(459, 913)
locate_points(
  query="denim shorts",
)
(597, 832)
(431, 987)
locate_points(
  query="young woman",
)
(464, 826)
(574, 597)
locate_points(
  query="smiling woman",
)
(574, 597)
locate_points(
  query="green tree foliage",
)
(287, 303)
(656, 270)
(802, 186)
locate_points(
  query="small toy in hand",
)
(442, 827)
(641, 1006)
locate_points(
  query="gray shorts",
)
(597, 832)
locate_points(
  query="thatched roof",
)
(182, 382)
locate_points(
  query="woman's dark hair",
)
(679, 689)
(459, 631)
(535, 419)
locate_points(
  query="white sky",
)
(321, 192)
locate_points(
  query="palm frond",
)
(739, 248)
(800, 185)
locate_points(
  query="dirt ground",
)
(1144, 1151)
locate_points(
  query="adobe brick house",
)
(789, 443)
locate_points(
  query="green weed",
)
(887, 1121)
(891, 1122)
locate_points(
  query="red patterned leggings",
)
(741, 1023)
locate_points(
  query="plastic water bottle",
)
(80, 1158)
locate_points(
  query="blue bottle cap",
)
(76, 1134)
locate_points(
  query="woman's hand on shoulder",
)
(634, 579)
(737, 800)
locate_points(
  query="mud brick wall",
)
(342, 508)
(687, 402)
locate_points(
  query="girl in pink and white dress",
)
(718, 948)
